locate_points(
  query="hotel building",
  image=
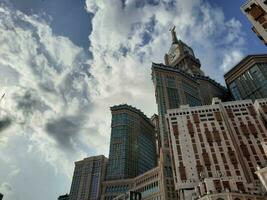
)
(217, 147)
(132, 143)
(177, 82)
(256, 12)
(87, 177)
(133, 150)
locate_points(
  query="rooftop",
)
(243, 62)
(194, 78)
(91, 158)
(133, 109)
(174, 69)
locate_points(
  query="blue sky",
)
(76, 23)
(63, 64)
(69, 17)
(232, 9)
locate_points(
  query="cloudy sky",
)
(63, 63)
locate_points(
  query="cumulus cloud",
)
(64, 130)
(5, 187)
(45, 78)
(230, 59)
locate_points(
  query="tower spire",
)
(174, 37)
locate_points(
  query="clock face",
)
(174, 52)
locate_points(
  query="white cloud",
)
(231, 59)
(44, 78)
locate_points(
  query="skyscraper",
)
(248, 79)
(132, 144)
(181, 81)
(256, 12)
(178, 82)
(87, 177)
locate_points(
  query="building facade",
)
(178, 82)
(129, 196)
(132, 144)
(87, 178)
(113, 188)
(225, 195)
(181, 81)
(217, 147)
(256, 12)
(64, 197)
(149, 185)
(248, 79)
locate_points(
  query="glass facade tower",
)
(132, 144)
(248, 79)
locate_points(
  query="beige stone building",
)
(87, 177)
(256, 12)
(261, 107)
(231, 196)
(217, 147)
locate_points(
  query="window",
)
(191, 94)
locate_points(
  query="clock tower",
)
(182, 56)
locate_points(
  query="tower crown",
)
(174, 36)
(182, 56)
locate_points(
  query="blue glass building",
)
(248, 79)
(132, 144)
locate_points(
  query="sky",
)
(63, 64)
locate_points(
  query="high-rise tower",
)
(182, 56)
(180, 81)
(132, 144)
(87, 177)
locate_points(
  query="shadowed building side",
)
(132, 144)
